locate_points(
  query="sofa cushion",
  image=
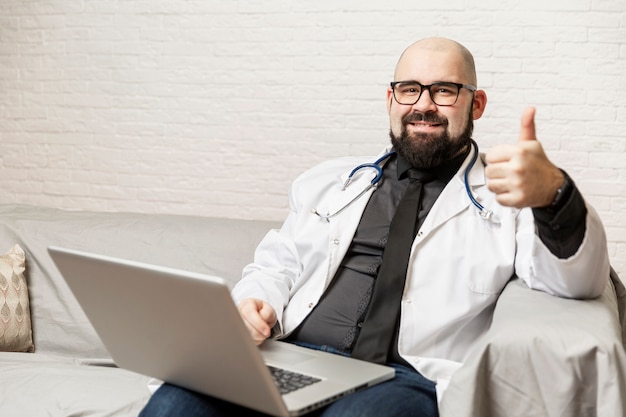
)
(16, 333)
(41, 385)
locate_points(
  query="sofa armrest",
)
(620, 293)
(544, 356)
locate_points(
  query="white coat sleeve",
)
(585, 274)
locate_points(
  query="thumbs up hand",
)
(521, 175)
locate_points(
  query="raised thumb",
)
(527, 129)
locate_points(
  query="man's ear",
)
(479, 104)
(389, 99)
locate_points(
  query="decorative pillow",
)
(16, 333)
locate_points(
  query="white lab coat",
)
(459, 263)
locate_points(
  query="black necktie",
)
(378, 330)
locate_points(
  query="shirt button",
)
(359, 324)
(311, 305)
(336, 241)
(556, 226)
(420, 233)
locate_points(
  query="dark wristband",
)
(562, 194)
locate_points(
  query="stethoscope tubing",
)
(377, 166)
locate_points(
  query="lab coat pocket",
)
(489, 282)
(489, 258)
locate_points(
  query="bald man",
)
(329, 279)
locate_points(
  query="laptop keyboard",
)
(289, 381)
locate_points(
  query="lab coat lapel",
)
(342, 227)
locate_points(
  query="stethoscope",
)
(378, 167)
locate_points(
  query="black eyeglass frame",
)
(428, 87)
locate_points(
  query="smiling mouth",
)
(419, 121)
(425, 125)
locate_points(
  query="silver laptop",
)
(184, 328)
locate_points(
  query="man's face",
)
(425, 134)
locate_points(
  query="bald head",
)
(436, 45)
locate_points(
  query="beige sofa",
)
(542, 357)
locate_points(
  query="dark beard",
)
(427, 151)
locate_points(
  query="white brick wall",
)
(213, 107)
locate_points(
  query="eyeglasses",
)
(441, 93)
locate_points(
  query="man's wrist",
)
(562, 193)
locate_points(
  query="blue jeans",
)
(408, 394)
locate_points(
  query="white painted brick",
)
(41, 21)
(10, 26)
(610, 36)
(585, 50)
(608, 5)
(213, 108)
(603, 19)
(616, 129)
(610, 160)
(560, 6)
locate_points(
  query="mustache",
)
(424, 117)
